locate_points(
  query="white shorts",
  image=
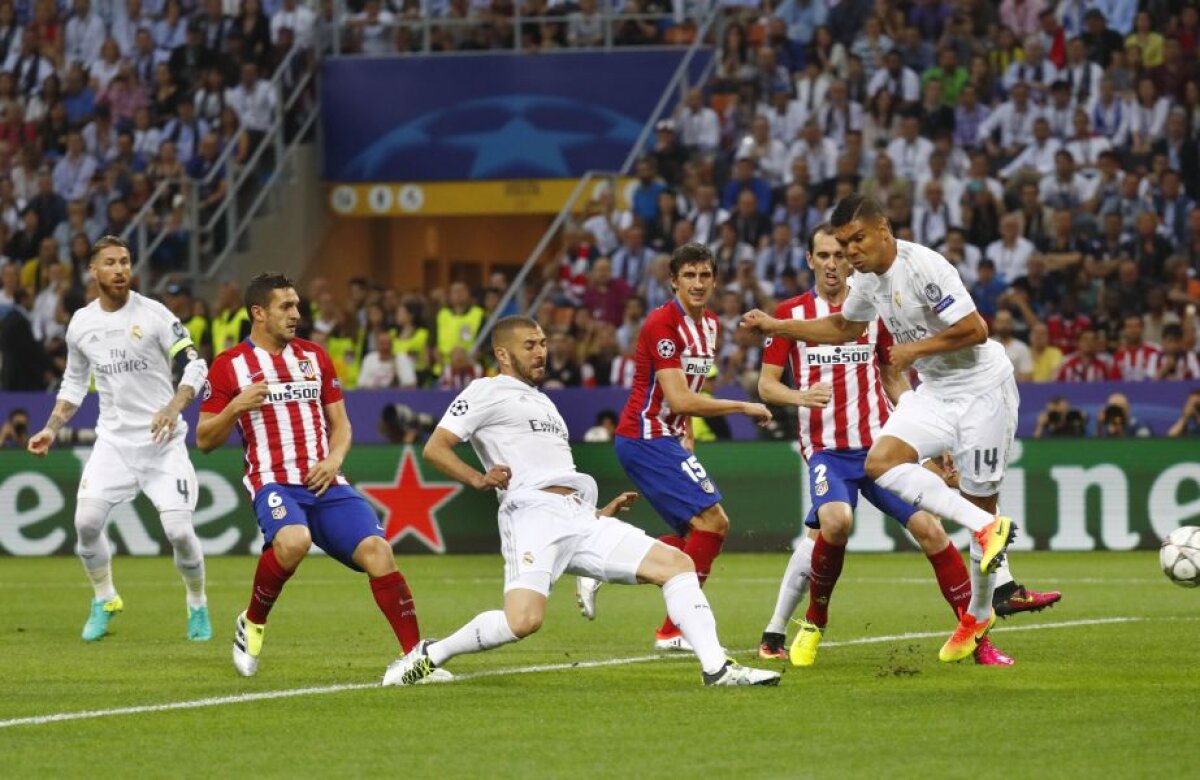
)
(978, 429)
(543, 535)
(116, 471)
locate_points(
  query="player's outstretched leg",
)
(1012, 597)
(587, 587)
(690, 611)
(979, 617)
(829, 553)
(792, 590)
(524, 610)
(189, 560)
(92, 547)
(390, 590)
(275, 567)
(702, 544)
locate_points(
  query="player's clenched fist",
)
(759, 320)
(39, 443)
(252, 397)
(757, 412)
(816, 397)
(496, 477)
(620, 504)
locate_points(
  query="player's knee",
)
(291, 544)
(879, 462)
(928, 532)
(375, 556)
(90, 517)
(177, 526)
(713, 520)
(525, 622)
(836, 523)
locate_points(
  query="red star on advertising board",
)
(409, 504)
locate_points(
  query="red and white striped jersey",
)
(1186, 365)
(859, 408)
(288, 434)
(670, 338)
(1138, 363)
(1077, 368)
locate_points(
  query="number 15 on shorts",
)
(695, 470)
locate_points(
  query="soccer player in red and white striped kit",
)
(283, 395)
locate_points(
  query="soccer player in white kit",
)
(131, 345)
(966, 403)
(549, 523)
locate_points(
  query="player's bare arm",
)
(213, 429)
(688, 441)
(39, 443)
(895, 382)
(684, 401)
(620, 504)
(162, 424)
(773, 391)
(967, 332)
(833, 329)
(324, 474)
(439, 450)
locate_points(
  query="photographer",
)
(1188, 423)
(15, 431)
(1117, 422)
(399, 424)
(1059, 420)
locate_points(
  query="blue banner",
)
(479, 117)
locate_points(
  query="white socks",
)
(982, 586)
(189, 558)
(922, 488)
(92, 546)
(1003, 574)
(485, 631)
(794, 586)
(689, 609)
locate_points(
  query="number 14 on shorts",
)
(989, 458)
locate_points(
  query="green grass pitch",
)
(1084, 700)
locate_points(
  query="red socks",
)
(826, 568)
(671, 540)
(702, 547)
(269, 579)
(395, 601)
(952, 578)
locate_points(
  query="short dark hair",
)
(261, 287)
(690, 253)
(824, 227)
(104, 242)
(504, 327)
(855, 206)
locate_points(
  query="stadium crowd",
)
(1048, 150)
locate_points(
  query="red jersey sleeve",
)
(777, 349)
(663, 344)
(331, 386)
(220, 387)
(883, 345)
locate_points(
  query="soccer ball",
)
(1180, 556)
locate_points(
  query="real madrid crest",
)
(896, 298)
(135, 333)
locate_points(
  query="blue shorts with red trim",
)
(670, 477)
(840, 475)
(338, 519)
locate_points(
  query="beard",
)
(528, 373)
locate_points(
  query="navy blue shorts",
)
(840, 475)
(670, 477)
(338, 520)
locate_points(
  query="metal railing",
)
(214, 233)
(678, 84)
(427, 33)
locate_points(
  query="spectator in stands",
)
(459, 371)
(802, 18)
(660, 234)
(963, 256)
(1046, 357)
(841, 114)
(754, 292)
(1116, 420)
(645, 194)
(781, 256)
(29, 68)
(254, 102)
(603, 429)
(563, 367)
(769, 155)
(706, 214)
(22, 360)
(1137, 359)
(987, 289)
(1147, 247)
(932, 220)
(77, 221)
(606, 296)
(1018, 353)
(1188, 423)
(699, 125)
(1088, 362)
(668, 154)
(382, 368)
(819, 153)
(14, 434)
(745, 179)
(631, 261)
(1011, 252)
(1176, 362)
(458, 322)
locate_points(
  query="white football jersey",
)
(515, 425)
(129, 352)
(918, 297)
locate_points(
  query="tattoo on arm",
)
(63, 412)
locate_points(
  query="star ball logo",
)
(409, 504)
(665, 348)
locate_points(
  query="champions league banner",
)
(1107, 495)
(481, 117)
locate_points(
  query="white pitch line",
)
(216, 701)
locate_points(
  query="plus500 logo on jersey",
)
(848, 355)
(293, 392)
(696, 366)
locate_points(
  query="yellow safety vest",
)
(457, 330)
(227, 328)
(416, 346)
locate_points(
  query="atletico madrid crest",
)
(306, 368)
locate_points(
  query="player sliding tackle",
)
(146, 371)
(549, 523)
(835, 439)
(966, 403)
